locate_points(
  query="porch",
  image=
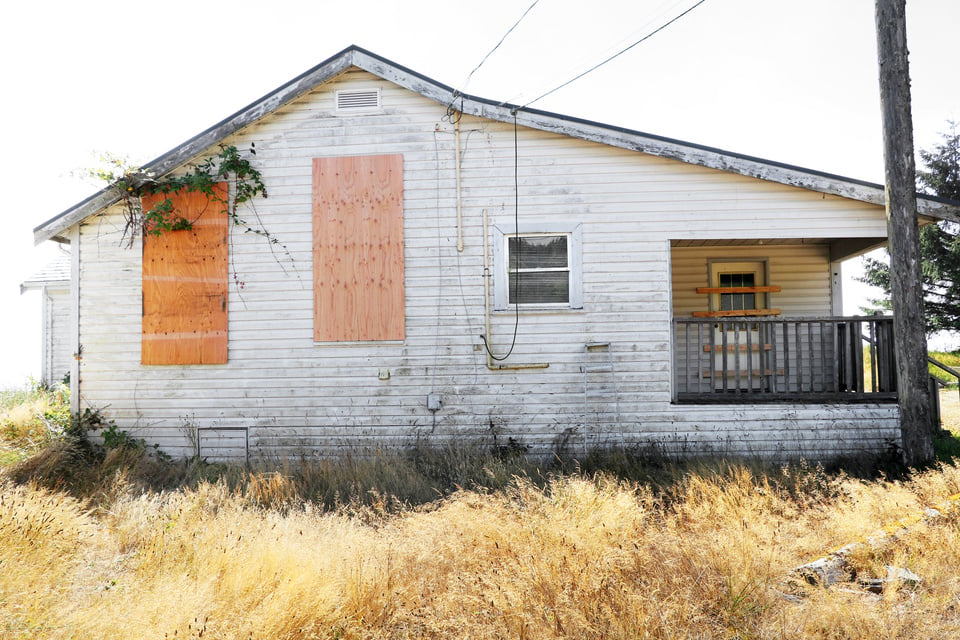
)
(747, 359)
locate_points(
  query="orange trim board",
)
(768, 289)
(736, 314)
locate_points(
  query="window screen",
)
(539, 269)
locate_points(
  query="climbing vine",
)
(229, 165)
(245, 183)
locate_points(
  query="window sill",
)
(538, 310)
(360, 343)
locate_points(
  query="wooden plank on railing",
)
(768, 289)
(717, 348)
(742, 373)
(741, 313)
(944, 367)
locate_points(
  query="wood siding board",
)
(284, 387)
(185, 284)
(358, 248)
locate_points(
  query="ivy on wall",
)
(245, 183)
(131, 183)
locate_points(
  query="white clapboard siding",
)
(295, 397)
(57, 345)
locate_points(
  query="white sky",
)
(794, 82)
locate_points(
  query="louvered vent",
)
(358, 100)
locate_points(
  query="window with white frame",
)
(538, 267)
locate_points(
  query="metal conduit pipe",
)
(456, 150)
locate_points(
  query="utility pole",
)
(910, 341)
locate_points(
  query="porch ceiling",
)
(740, 242)
(840, 248)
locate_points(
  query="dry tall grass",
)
(30, 418)
(950, 409)
(118, 544)
(573, 557)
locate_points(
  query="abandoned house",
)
(432, 266)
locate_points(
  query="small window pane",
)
(737, 301)
(538, 252)
(539, 287)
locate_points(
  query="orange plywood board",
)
(736, 314)
(358, 273)
(769, 289)
(185, 282)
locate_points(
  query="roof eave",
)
(354, 56)
(177, 156)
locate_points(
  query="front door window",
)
(738, 344)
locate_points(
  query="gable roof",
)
(354, 56)
(56, 272)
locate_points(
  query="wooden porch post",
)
(910, 341)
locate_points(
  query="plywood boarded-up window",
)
(185, 284)
(358, 248)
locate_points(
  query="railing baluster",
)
(723, 356)
(801, 359)
(850, 353)
(822, 386)
(738, 356)
(686, 357)
(702, 380)
(798, 351)
(857, 344)
(774, 358)
(786, 357)
(835, 356)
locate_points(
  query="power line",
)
(616, 55)
(663, 10)
(497, 46)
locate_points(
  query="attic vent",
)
(358, 100)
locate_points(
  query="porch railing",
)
(828, 359)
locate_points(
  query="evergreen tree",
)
(939, 243)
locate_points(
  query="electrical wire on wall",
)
(436, 342)
(516, 164)
(516, 228)
(458, 255)
(453, 116)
